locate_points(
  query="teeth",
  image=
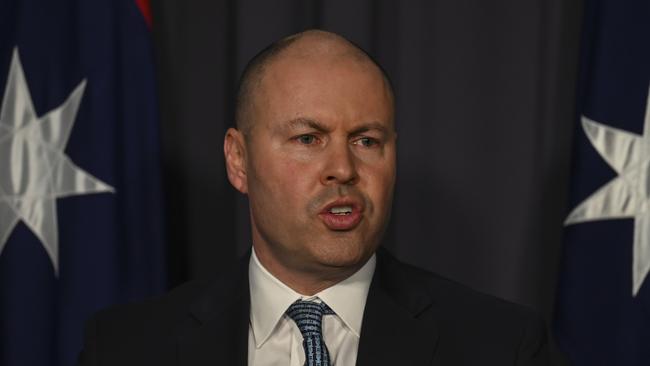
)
(341, 210)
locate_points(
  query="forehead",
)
(332, 88)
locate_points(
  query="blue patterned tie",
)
(308, 316)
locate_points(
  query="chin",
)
(343, 256)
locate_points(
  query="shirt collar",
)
(270, 298)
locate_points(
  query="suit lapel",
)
(399, 324)
(217, 333)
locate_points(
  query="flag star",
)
(627, 195)
(34, 170)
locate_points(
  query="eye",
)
(306, 139)
(366, 141)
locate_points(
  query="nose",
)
(340, 166)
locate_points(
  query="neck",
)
(305, 281)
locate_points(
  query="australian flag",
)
(80, 192)
(603, 307)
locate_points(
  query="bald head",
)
(305, 47)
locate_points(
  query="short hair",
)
(254, 71)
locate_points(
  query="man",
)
(314, 150)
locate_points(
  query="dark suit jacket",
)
(412, 317)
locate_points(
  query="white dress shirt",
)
(275, 340)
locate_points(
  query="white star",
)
(34, 170)
(627, 195)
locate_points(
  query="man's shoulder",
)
(472, 326)
(158, 310)
(179, 301)
(179, 304)
(458, 302)
(149, 331)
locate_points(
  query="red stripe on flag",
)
(145, 9)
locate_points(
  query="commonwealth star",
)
(34, 170)
(627, 195)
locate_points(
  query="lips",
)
(342, 214)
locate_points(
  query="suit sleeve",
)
(534, 348)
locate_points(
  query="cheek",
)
(380, 181)
(284, 180)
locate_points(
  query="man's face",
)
(320, 163)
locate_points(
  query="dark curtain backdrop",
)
(485, 111)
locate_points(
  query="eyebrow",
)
(370, 126)
(303, 122)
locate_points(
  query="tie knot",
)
(308, 316)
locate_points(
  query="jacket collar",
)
(399, 323)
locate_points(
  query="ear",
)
(234, 150)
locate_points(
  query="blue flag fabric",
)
(603, 304)
(81, 220)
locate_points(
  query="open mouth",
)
(342, 216)
(341, 210)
